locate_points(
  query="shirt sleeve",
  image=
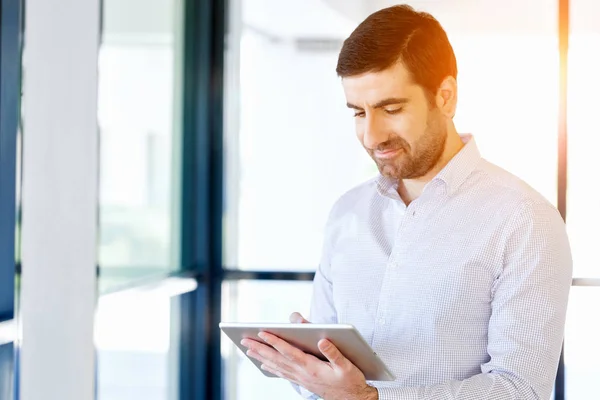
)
(526, 327)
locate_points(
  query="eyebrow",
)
(382, 103)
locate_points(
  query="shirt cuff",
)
(304, 393)
(307, 394)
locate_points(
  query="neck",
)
(410, 189)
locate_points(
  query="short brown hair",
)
(400, 34)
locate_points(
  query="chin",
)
(389, 171)
(393, 168)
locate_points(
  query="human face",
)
(395, 122)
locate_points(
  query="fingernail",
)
(244, 343)
(263, 336)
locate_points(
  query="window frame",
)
(10, 93)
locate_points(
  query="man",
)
(456, 272)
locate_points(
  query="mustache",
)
(394, 144)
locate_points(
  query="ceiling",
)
(470, 16)
(337, 18)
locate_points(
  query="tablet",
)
(306, 336)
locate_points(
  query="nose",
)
(373, 132)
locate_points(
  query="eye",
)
(393, 111)
(359, 114)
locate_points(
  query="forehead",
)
(372, 87)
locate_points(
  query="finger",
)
(263, 352)
(293, 354)
(271, 370)
(335, 357)
(297, 318)
(283, 368)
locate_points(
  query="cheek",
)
(397, 127)
(407, 128)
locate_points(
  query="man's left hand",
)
(333, 380)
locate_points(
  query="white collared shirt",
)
(462, 293)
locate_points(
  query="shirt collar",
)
(388, 187)
(458, 169)
(454, 174)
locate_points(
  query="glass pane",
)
(258, 301)
(582, 348)
(290, 153)
(583, 213)
(137, 344)
(139, 118)
(7, 370)
(291, 148)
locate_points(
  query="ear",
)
(447, 96)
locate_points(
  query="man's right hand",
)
(297, 318)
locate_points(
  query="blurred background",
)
(223, 140)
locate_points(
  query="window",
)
(581, 344)
(139, 117)
(289, 143)
(137, 326)
(583, 217)
(291, 151)
(252, 301)
(137, 337)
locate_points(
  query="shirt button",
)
(381, 321)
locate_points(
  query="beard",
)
(416, 160)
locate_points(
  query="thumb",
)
(297, 318)
(335, 357)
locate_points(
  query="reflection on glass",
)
(583, 213)
(582, 348)
(139, 127)
(291, 149)
(258, 301)
(136, 339)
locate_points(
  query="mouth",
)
(387, 154)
